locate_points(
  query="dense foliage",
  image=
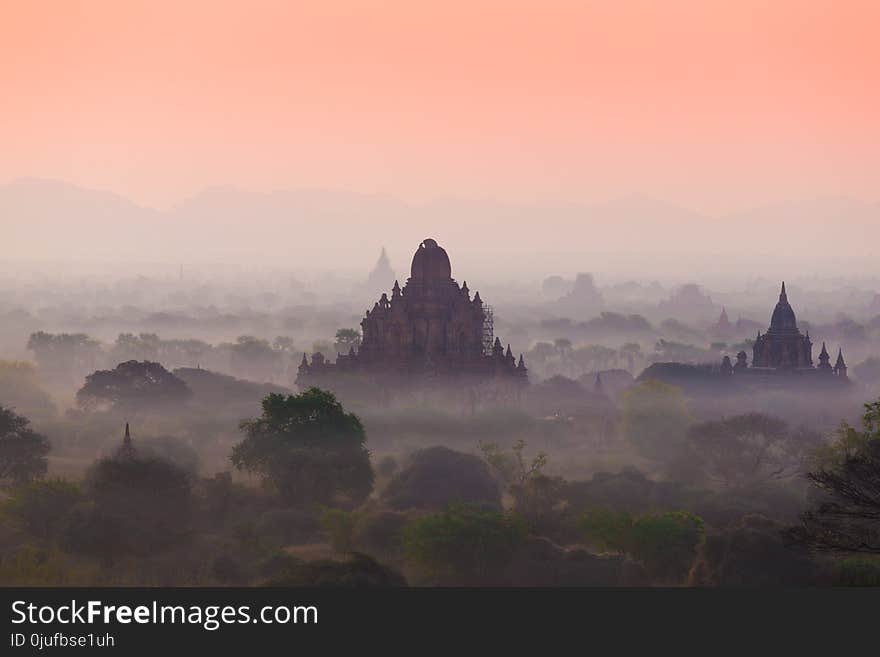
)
(437, 476)
(131, 385)
(309, 448)
(22, 450)
(464, 543)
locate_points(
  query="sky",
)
(712, 104)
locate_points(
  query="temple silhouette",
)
(784, 349)
(430, 328)
(782, 357)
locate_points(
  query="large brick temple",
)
(429, 328)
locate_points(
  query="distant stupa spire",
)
(382, 274)
(127, 450)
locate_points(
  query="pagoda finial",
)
(127, 439)
(782, 295)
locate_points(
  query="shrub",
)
(437, 476)
(338, 526)
(41, 506)
(857, 571)
(309, 448)
(464, 544)
(665, 543)
(359, 571)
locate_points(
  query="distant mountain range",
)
(51, 220)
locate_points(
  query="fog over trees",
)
(628, 459)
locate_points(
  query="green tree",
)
(665, 543)
(309, 448)
(464, 544)
(338, 526)
(656, 419)
(608, 530)
(22, 450)
(41, 506)
(849, 441)
(847, 518)
(535, 495)
(512, 466)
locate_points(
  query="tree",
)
(41, 506)
(868, 371)
(631, 351)
(535, 494)
(347, 339)
(665, 543)
(135, 504)
(22, 450)
(463, 544)
(749, 449)
(437, 476)
(308, 447)
(132, 384)
(338, 527)
(255, 358)
(849, 441)
(359, 571)
(750, 552)
(511, 466)
(608, 530)
(128, 346)
(65, 356)
(557, 395)
(656, 419)
(20, 389)
(847, 520)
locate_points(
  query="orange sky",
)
(712, 104)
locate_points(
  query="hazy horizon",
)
(678, 140)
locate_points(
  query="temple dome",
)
(783, 315)
(430, 262)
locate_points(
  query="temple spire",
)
(782, 295)
(127, 450)
(840, 366)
